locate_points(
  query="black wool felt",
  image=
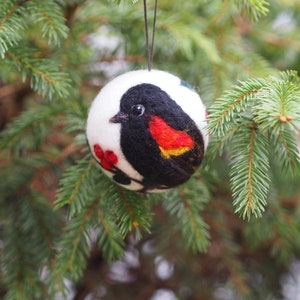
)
(147, 130)
(140, 148)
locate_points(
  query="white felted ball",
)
(147, 130)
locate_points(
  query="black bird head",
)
(139, 103)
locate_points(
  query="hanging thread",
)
(150, 48)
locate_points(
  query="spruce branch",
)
(55, 280)
(43, 224)
(285, 237)
(284, 146)
(277, 115)
(29, 129)
(77, 186)
(249, 172)
(14, 176)
(218, 144)
(20, 279)
(15, 16)
(49, 14)
(29, 231)
(186, 204)
(74, 248)
(12, 26)
(131, 210)
(188, 36)
(84, 188)
(46, 78)
(289, 76)
(278, 105)
(117, 2)
(225, 112)
(253, 8)
(96, 205)
(84, 182)
(110, 239)
(280, 231)
(79, 237)
(252, 120)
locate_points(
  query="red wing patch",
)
(171, 142)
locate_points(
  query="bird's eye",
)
(138, 110)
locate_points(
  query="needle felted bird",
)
(147, 130)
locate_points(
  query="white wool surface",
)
(107, 104)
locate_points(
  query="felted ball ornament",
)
(147, 130)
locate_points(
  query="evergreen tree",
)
(65, 229)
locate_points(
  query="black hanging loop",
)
(150, 48)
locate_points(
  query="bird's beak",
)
(120, 117)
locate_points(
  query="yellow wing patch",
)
(167, 153)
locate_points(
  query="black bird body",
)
(142, 150)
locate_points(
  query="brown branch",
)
(8, 15)
(249, 203)
(11, 89)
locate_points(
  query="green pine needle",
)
(49, 15)
(226, 111)
(12, 27)
(29, 231)
(78, 186)
(131, 210)
(29, 129)
(255, 9)
(16, 16)
(278, 106)
(92, 225)
(74, 246)
(187, 210)
(45, 75)
(284, 146)
(249, 172)
(117, 2)
(252, 120)
(110, 239)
